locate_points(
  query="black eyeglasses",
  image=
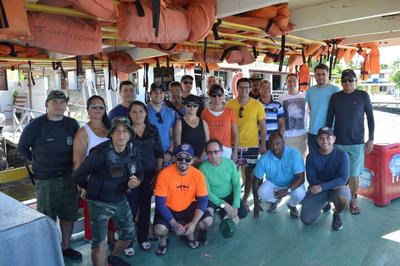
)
(241, 110)
(159, 117)
(188, 82)
(194, 105)
(347, 80)
(215, 94)
(181, 159)
(213, 152)
(97, 106)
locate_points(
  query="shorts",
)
(183, 217)
(100, 214)
(356, 155)
(57, 197)
(247, 156)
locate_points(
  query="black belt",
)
(58, 175)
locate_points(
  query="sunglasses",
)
(97, 106)
(241, 110)
(188, 82)
(215, 94)
(194, 105)
(181, 159)
(159, 117)
(348, 80)
(213, 152)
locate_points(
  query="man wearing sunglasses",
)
(181, 201)
(346, 113)
(187, 85)
(223, 183)
(163, 118)
(127, 94)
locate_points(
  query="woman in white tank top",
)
(87, 137)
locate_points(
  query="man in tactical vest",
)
(46, 142)
(112, 171)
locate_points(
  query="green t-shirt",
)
(222, 180)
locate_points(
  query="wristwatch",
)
(288, 190)
(222, 206)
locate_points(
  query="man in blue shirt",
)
(327, 175)
(283, 168)
(163, 118)
(318, 97)
(127, 93)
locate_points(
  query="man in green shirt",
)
(223, 183)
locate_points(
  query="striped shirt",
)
(273, 111)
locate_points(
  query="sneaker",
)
(273, 206)
(116, 261)
(202, 237)
(337, 224)
(327, 208)
(294, 212)
(72, 254)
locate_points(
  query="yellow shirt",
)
(253, 111)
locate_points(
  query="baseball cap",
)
(186, 77)
(256, 76)
(184, 148)
(156, 86)
(325, 130)
(349, 73)
(120, 120)
(56, 94)
(227, 228)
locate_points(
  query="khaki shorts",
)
(101, 212)
(57, 197)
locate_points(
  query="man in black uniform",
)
(46, 142)
(112, 170)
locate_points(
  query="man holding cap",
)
(187, 85)
(46, 142)
(327, 175)
(346, 109)
(181, 201)
(112, 170)
(163, 118)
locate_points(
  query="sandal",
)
(146, 245)
(193, 244)
(354, 209)
(161, 250)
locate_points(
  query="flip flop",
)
(161, 250)
(193, 244)
(355, 210)
(146, 245)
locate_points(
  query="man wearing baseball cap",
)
(181, 201)
(255, 80)
(113, 170)
(187, 85)
(327, 174)
(46, 142)
(346, 113)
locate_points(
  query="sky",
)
(388, 54)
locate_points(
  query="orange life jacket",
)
(122, 64)
(14, 20)
(304, 77)
(68, 35)
(237, 54)
(201, 14)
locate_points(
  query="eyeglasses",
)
(215, 94)
(241, 110)
(347, 80)
(188, 82)
(97, 106)
(213, 152)
(181, 159)
(194, 105)
(159, 117)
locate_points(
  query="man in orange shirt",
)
(181, 201)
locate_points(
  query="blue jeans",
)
(312, 143)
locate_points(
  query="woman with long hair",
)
(222, 122)
(149, 149)
(91, 134)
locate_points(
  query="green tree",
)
(395, 77)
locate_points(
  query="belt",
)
(58, 175)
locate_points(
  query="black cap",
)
(156, 86)
(186, 77)
(349, 73)
(192, 99)
(325, 130)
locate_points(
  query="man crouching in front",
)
(181, 200)
(113, 170)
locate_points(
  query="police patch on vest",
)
(69, 141)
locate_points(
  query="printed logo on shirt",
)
(182, 187)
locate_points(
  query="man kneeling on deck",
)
(223, 183)
(327, 174)
(181, 201)
(112, 169)
(283, 167)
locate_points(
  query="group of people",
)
(191, 155)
